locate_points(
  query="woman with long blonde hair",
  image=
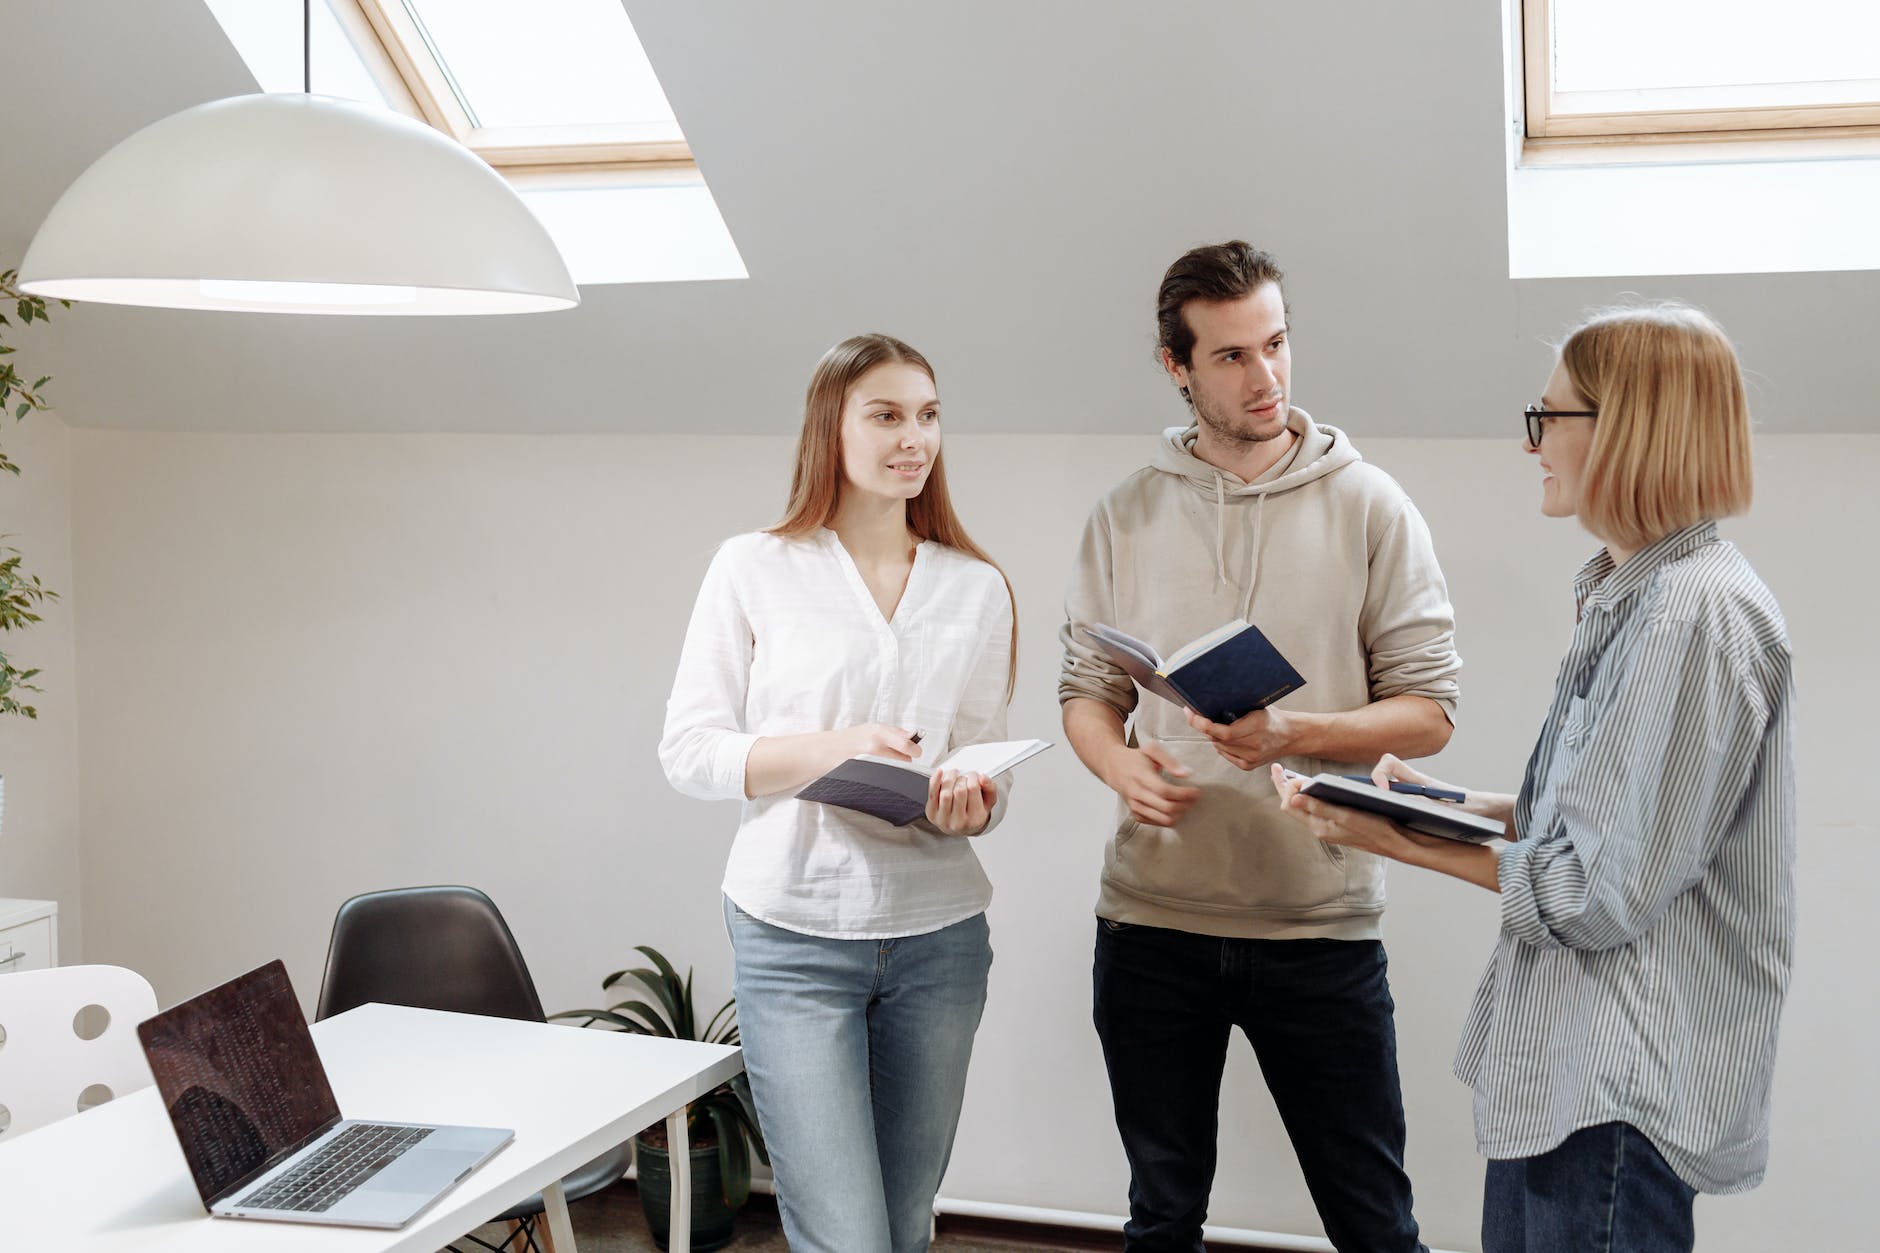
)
(1623, 1039)
(865, 622)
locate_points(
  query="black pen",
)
(1415, 789)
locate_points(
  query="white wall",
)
(39, 857)
(316, 665)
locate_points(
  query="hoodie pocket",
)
(1234, 852)
(1128, 830)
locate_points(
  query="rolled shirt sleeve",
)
(1407, 624)
(1090, 599)
(1641, 810)
(704, 746)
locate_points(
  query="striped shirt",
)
(786, 638)
(1648, 910)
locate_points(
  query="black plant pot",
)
(711, 1217)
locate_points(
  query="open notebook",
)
(896, 791)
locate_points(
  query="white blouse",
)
(786, 639)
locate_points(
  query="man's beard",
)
(1233, 426)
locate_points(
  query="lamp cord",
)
(306, 46)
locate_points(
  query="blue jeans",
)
(857, 1053)
(1604, 1189)
(1318, 1014)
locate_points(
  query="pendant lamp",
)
(296, 203)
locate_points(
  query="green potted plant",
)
(20, 592)
(721, 1125)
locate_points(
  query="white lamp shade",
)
(290, 203)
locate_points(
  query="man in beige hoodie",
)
(1215, 911)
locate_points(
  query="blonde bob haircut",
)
(1671, 446)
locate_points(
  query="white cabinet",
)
(29, 935)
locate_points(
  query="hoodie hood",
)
(1321, 451)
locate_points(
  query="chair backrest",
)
(47, 1069)
(433, 948)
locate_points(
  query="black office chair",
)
(448, 948)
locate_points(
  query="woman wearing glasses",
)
(864, 622)
(1622, 1040)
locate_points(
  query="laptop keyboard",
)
(326, 1178)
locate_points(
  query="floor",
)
(611, 1222)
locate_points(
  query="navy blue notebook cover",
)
(1228, 679)
(873, 787)
(1235, 677)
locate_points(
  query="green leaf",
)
(734, 1157)
(649, 980)
(654, 1022)
(22, 410)
(669, 989)
(710, 1034)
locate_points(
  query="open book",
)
(1419, 813)
(1227, 673)
(896, 791)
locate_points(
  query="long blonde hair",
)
(816, 483)
(1671, 446)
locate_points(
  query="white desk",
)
(113, 1178)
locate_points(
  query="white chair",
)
(47, 1069)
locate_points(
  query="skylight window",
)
(1692, 137)
(557, 95)
(549, 63)
(1605, 68)
(550, 83)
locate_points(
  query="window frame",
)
(1851, 127)
(398, 55)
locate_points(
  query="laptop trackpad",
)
(423, 1169)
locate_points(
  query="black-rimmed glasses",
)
(1535, 413)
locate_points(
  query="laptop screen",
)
(238, 1073)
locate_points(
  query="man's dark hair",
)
(1214, 272)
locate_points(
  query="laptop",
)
(262, 1133)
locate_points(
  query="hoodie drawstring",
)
(1253, 571)
(1220, 543)
(1220, 530)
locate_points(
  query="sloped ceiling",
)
(999, 182)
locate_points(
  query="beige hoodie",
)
(1329, 558)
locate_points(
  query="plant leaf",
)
(672, 991)
(734, 1156)
(653, 1022)
(710, 1034)
(660, 992)
(620, 1021)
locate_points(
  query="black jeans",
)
(1604, 1189)
(1318, 1013)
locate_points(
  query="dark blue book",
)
(1226, 674)
(896, 791)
